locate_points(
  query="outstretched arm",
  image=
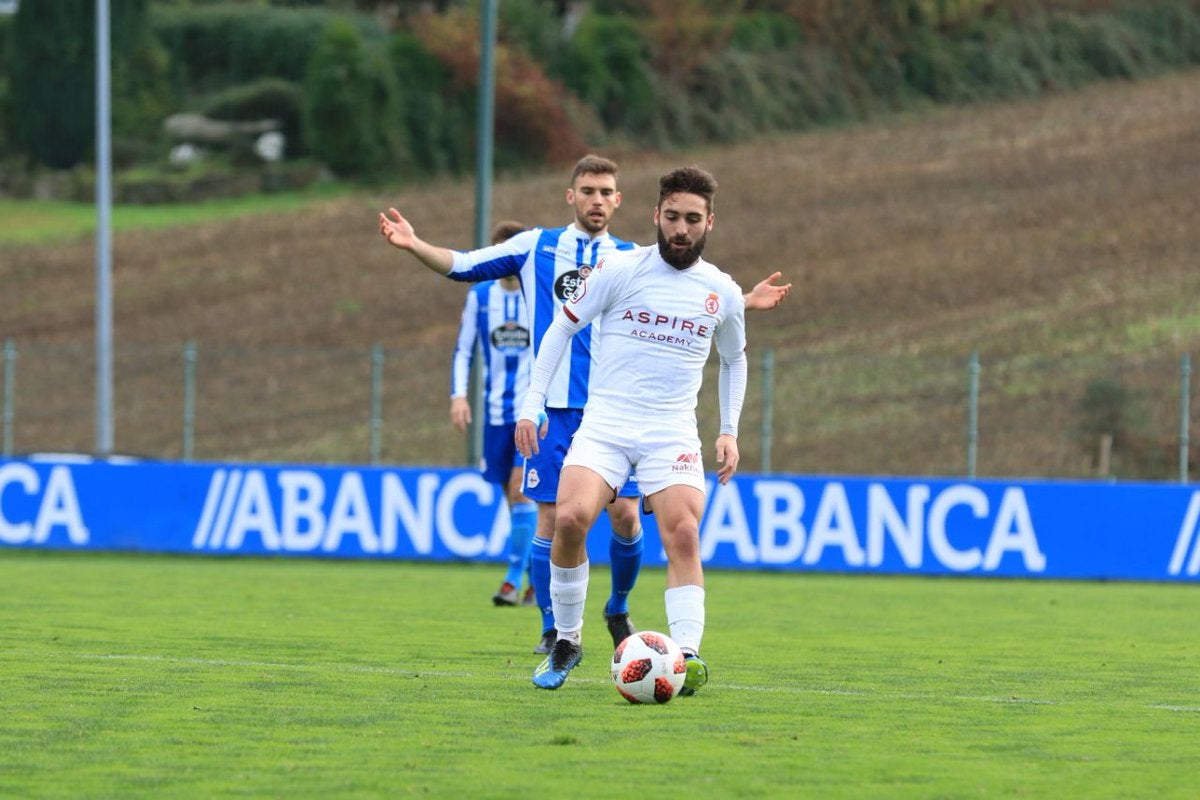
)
(399, 233)
(766, 295)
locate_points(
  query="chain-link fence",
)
(1024, 416)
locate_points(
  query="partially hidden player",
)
(494, 318)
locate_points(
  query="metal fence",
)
(920, 415)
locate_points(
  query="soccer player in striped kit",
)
(494, 317)
(659, 310)
(552, 263)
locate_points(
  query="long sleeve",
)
(554, 345)
(493, 261)
(464, 349)
(731, 388)
(731, 381)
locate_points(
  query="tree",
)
(53, 80)
(53, 77)
(350, 114)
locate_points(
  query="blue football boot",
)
(552, 673)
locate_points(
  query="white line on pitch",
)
(416, 673)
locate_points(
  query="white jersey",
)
(657, 325)
(551, 263)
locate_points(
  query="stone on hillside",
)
(197, 128)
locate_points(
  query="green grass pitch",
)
(129, 675)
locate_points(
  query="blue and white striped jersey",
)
(550, 262)
(496, 318)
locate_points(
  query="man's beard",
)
(590, 225)
(680, 259)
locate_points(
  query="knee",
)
(623, 514)
(682, 542)
(572, 522)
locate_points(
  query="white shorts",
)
(664, 456)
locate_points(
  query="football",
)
(648, 667)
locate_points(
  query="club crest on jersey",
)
(712, 304)
(510, 337)
(568, 283)
(580, 288)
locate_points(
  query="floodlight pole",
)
(487, 115)
(104, 343)
(483, 200)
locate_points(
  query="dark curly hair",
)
(692, 180)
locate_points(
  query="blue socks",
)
(523, 518)
(625, 555)
(539, 571)
(626, 558)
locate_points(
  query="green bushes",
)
(350, 107)
(607, 65)
(988, 57)
(437, 120)
(533, 121)
(215, 46)
(1170, 29)
(6, 112)
(267, 98)
(53, 83)
(141, 95)
(52, 63)
(372, 101)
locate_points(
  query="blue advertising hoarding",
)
(1018, 528)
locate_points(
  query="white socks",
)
(568, 591)
(685, 616)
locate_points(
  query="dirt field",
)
(1057, 238)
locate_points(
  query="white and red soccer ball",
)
(648, 667)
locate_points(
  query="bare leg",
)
(582, 494)
(678, 509)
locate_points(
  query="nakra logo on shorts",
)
(687, 462)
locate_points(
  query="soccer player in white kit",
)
(659, 309)
(551, 263)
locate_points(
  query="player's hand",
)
(727, 456)
(766, 294)
(460, 413)
(527, 435)
(396, 229)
